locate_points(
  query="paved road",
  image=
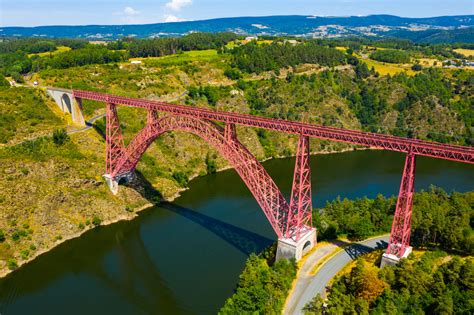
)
(89, 124)
(308, 286)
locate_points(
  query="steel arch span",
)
(291, 222)
(124, 160)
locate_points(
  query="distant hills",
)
(443, 29)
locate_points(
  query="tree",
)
(233, 74)
(211, 165)
(362, 71)
(96, 220)
(315, 306)
(181, 178)
(12, 264)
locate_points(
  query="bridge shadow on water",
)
(243, 240)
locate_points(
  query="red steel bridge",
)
(291, 220)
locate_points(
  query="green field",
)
(58, 50)
(184, 57)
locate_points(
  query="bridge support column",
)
(115, 149)
(290, 248)
(300, 236)
(399, 244)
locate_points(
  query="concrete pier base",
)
(113, 182)
(288, 248)
(392, 260)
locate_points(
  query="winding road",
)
(308, 285)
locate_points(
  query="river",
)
(186, 257)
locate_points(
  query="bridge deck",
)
(386, 142)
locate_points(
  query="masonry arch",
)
(66, 103)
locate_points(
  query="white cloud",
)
(176, 5)
(172, 18)
(130, 11)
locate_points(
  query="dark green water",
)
(185, 257)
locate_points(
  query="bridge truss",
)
(288, 220)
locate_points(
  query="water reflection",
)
(135, 281)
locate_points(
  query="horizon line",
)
(237, 17)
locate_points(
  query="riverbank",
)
(133, 213)
(124, 217)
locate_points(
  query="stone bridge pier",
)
(68, 104)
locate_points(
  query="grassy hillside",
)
(50, 192)
(25, 113)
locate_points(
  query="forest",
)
(167, 46)
(391, 56)
(427, 105)
(439, 220)
(438, 282)
(256, 58)
(15, 58)
(263, 285)
(435, 283)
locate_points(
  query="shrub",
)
(233, 74)
(181, 178)
(12, 264)
(16, 236)
(17, 77)
(60, 136)
(24, 254)
(211, 165)
(96, 220)
(417, 67)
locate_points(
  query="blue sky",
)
(82, 12)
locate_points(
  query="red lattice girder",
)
(253, 174)
(301, 206)
(425, 148)
(292, 223)
(229, 132)
(400, 234)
